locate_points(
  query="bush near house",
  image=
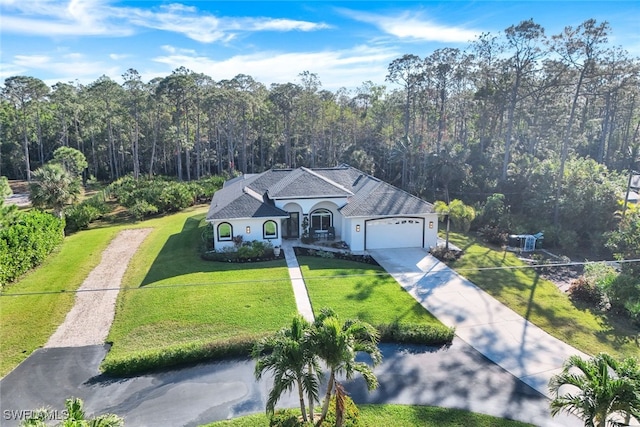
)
(246, 252)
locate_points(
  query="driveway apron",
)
(497, 332)
(457, 377)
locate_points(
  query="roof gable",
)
(237, 200)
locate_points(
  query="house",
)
(341, 203)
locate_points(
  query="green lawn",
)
(540, 301)
(398, 416)
(360, 290)
(174, 298)
(27, 321)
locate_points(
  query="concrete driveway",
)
(457, 377)
(497, 332)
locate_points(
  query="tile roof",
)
(251, 196)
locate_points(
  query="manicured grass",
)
(27, 321)
(175, 300)
(398, 416)
(358, 290)
(540, 301)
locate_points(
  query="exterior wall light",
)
(357, 228)
(430, 224)
(248, 229)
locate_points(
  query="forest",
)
(541, 130)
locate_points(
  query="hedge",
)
(194, 352)
(26, 242)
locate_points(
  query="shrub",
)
(494, 235)
(367, 259)
(26, 242)
(98, 202)
(165, 194)
(178, 355)
(254, 250)
(624, 294)
(326, 254)
(583, 290)
(142, 209)
(290, 417)
(444, 254)
(79, 217)
(351, 414)
(415, 333)
(286, 418)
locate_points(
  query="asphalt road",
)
(457, 377)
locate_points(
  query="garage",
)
(398, 232)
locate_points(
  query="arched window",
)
(270, 230)
(321, 220)
(225, 231)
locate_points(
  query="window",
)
(321, 220)
(270, 230)
(225, 231)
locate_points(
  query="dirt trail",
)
(90, 319)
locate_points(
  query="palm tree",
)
(75, 417)
(337, 342)
(603, 390)
(456, 211)
(53, 187)
(288, 356)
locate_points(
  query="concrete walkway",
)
(497, 332)
(297, 282)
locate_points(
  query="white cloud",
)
(345, 68)
(54, 18)
(207, 28)
(72, 64)
(119, 56)
(415, 26)
(97, 17)
(177, 50)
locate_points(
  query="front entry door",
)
(291, 226)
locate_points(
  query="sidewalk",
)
(500, 334)
(297, 282)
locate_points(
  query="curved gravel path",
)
(89, 320)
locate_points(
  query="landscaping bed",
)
(341, 255)
(397, 416)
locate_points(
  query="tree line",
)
(516, 113)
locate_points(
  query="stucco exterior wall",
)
(240, 228)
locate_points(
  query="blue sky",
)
(344, 43)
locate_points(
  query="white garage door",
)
(394, 233)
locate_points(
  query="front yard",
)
(541, 302)
(363, 291)
(175, 300)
